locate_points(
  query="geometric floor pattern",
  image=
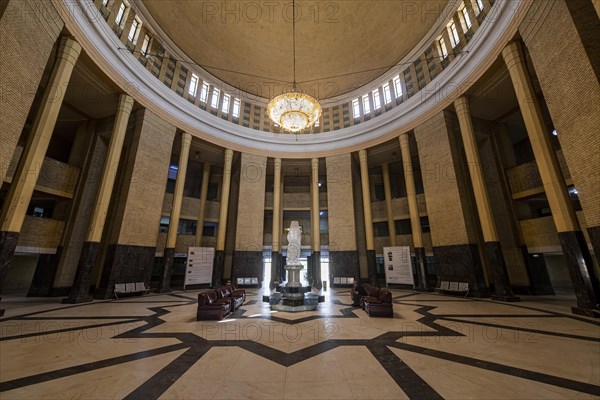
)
(435, 347)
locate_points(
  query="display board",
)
(398, 266)
(199, 266)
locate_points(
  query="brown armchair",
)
(380, 305)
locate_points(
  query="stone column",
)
(169, 253)
(219, 262)
(577, 255)
(202, 211)
(492, 246)
(415, 219)
(364, 175)
(385, 168)
(80, 291)
(343, 254)
(25, 177)
(315, 224)
(248, 252)
(276, 230)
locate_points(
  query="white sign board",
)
(398, 266)
(199, 266)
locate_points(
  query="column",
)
(492, 246)
(219, 262)
(415, 219)
(276, 230)
(202, 211)
(364, 175)
(315, 224)
(80, 291)
(579, 261)
(169, 252)
(385, 168)
(26, 174)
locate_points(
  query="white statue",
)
(294, 238)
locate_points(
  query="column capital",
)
(513, 53)
(186, 139)
(461, 105)
(125, 104)
(362, 154)
(69, 49)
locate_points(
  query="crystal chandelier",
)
(294, 111)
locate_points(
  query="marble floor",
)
(435, 347)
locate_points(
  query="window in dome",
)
(355, 108)
(466, 18)
(398, 86)
(104, 3)
(376, 99)
(442, 46)
(134, 30)
(146, 45)
(480, 4)
(226, 101)
(366, 104)
(120, 14)
(387, 94)
(214, 102)
(454, 38)
(236, 108)
(193, 85)
(204, 92)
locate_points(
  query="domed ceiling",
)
(340, 45)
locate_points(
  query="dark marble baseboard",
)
(594, 233)
(581, 269)
(166, 270)
(461, 263)
(343, 263)
(372, 266)
(315, 266)
(8, 245)
(218, 268)
(502, 289)
(123, 264)
(80, 291)
(275, 268)
(43, 277)
(247, 264)
(539, 279)
(421, 264)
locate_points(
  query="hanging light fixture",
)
(294, 111)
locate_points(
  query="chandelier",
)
(294, 111)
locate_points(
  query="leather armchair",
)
(211, 307)
(380, 306)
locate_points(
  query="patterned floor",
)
(435, 347)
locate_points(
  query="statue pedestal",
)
(294, 275)
(293, 296)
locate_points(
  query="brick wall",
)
(251, 206)
(342, 229)
(28, 31)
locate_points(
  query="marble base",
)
(316, 270)
(372, 266)
(502, 289)
(281, 302)
(43, 277)
(594, 233)
(461, 263)
(247, 264)
(539, 279)
(164, 286)
(275, 269)
(125, 263)
(218, 268)
(586, 312)
(581, 269)
(343, 263)
(8, 245)
(421, 264)
(80, 291)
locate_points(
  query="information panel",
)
(199, 266)
(398, 266)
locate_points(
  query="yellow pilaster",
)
(482, 199)
(411, 193)
(226, 185)
(277, 206)
(202, 211)
(545, 157)
(314, 206)
(186, 141)
(28, 168)
(385, 168)
(364, 175)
